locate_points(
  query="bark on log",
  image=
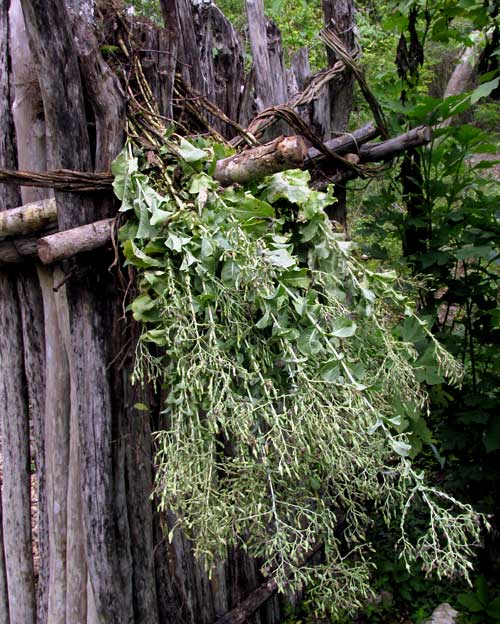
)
(18, 250)
(63, 180)
(278, 155)
(28, 218)
(73, 550)
(464, 70)
(391, 148)
(68, 243)
(221, 62)
(349, 142)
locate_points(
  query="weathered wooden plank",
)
(14, 414)
(88, 295)
(31, 154)
(221, 62)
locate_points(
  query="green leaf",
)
(493, 609)
(158, 336)
(484, 90)
(280, 258)
(292, 185)
(159, 217)
(122, 168)
(144, 308)
(316, 203)
(201, 182)
(175, 242)
(343, 328)
(297, 278)
(309, 342)
(401, 448)
(137, 257)
(142, 407)
(471, 602)
(190, 153)
(229, 273)
(145, 229)
(482, 590)
(330, 371)
(411, 330)
(248, 208)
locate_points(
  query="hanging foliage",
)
(283, 385)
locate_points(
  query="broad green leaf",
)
(159, 217)
(292, 185)
(471, 602)
(296, 279)
(158, 336)
(316, 203)
(368, 294)
(145, 230)
(280, 258)
(309, 342)
(122, 168)
(144, 308)
(482, 591)
(201, 182)
(330, 371)
(190, 153)
(175, 242)
(248, 208)
(493, 609)
(208, 247)
(411, 330)
(187, 261)
(230, 272)
(343, 328)
(137, 257)
(484, 90)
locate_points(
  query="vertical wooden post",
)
(340, 13)
(16, 487)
